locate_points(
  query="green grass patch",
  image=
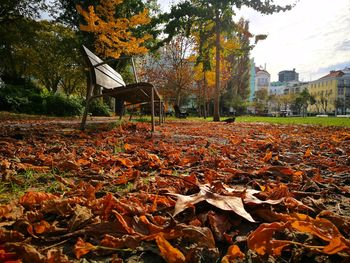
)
(16, 185)
(324, 121)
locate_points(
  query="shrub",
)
(98, 108)
(60, 105)
(19, 98)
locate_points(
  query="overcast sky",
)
(313, 38)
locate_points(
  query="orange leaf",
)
(68, 165)
(267, 156)
(81, 248)
(123, 223)
(5, 209)
(308, 153)
(28, 166)
(336, 245)
(126, 162)
(33, 198)
(233, 253)
(261, 239)
(320, 227)
(168, 252)
(41, 227)
(125, 241)
(82, 162)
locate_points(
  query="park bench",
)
(105, 81)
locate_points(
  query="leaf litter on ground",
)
(190, 192)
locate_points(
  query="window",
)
(340, 90)
(347, 91)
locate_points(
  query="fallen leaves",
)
(81, 248)
(194, 192)
(168, 252)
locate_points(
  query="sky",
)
(313, 38)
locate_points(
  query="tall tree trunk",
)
(205, 96)
(216, 114)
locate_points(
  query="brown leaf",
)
(126, 241)
(219, 224)
(31, 199)
(68, 165)
(27, 253)
(341, 222)
(56, 256)
(10, 235)
(82, 216)
(28, 166)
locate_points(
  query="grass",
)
(324, 121)
(18, 184)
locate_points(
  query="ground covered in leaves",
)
(191, 192)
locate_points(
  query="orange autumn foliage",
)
(114, 36)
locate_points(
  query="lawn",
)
(324, 121)
(192, 191)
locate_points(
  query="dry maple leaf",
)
(227, 203)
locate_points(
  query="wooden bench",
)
(105, 81)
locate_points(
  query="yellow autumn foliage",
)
(114, 35)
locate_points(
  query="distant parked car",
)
(284, 113)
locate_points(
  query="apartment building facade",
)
(262, 79)
(331, 92)
(288, 75)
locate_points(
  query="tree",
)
(15, 50)
(220, 12)
(302, 101)
(171, 70)
(261, 101)
(114, 36)
(55, 58)
(238, 85)
(12, 10)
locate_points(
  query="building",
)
(252, 80)
(288, 75)
(331, 92)
(262, 79)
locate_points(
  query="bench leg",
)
(152, 108)
(90, 88)
(160, 112)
